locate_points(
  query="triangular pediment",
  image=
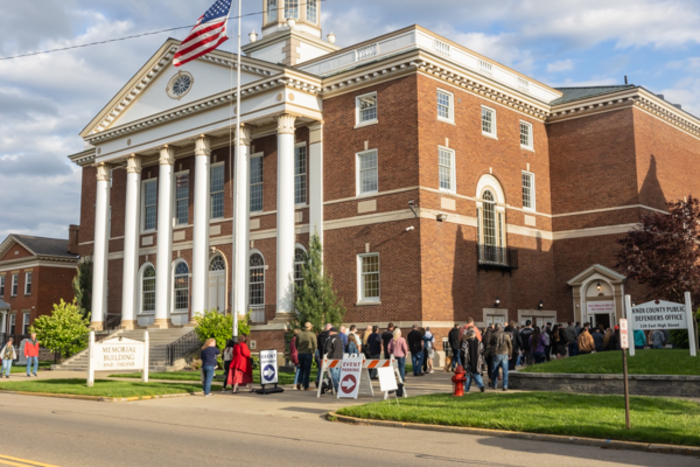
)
(597, 269)
(11, 248)
(149, 92)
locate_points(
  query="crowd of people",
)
(30, 348)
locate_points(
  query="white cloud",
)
(560, 66)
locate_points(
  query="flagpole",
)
(236, 241)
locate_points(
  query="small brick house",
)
(442, 184)
(35, 273)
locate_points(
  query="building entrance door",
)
(601, 318)
(217, 284)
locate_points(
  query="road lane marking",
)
(17, 462)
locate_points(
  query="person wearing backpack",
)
(8, 355)
(502, 350)
(227, 357)
(429, 349)
(473, 360)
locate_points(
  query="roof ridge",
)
(597, 87)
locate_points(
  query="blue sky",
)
(45, 101)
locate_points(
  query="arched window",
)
(489, 219)
(181, 286)
(217, 284)
(299, 258)
(148, 289)
(490, 225)
(217, 264)
(257, 280)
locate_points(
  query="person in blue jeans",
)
(209, 354)
(415, 345)
(502, 349)
(473, 360)
(334, 350)
(8, 355)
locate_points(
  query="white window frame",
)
(15, 285)
(451, 109)
(292, 9)
(187, 198)
(26, 317)
(176, 263)
(312, 5)
(494, 126)
(143, 205)
(212, 193)
(301, 247)
(453, 170)
(301, 176)
(358, 121)
(533, 198)
(261, 183)
(13, 323)
(263, 268)
(358, 173)
(361, 298)
(2, 286)
(28, 283)
(273, 16)
(141, 273)
(531, 146)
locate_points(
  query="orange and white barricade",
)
(365, 381)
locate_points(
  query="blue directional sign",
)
(268, 367)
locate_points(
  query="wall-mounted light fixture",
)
(441, 217)
(497, 302)
(540, 305)
(598, 286)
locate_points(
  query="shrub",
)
(63, 330)
(213, 324)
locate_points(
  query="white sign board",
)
(604, 307)
(661, 315)
(350, 374)
(387, 379)
(115, 354)
(624, 335)
(269, 373)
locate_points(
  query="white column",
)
(101, 247)
(200, 244)
(131, 241)
(164, 251)
(285, 214)
(241, 225)
(316, 180)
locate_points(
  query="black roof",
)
(578, 93)
(43, 246)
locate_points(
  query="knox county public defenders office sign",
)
(663, 315)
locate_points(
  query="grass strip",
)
(645, 362)
(103, 388)
(284, 377)
(16, 368)
(653, 420)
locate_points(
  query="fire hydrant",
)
(458, 381)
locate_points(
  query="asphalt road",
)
(247, 429)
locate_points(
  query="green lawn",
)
(104, 388)
(668, 421)
(645, 362)
(185, 375)
(23, 368)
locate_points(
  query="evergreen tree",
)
(82, 286)
(315, 300)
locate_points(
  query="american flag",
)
(206, 35)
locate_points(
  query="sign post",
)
(663, 315)
(91, 367)
(691, 325)
(146, 356)
(350, 375)
(624, 345)
(269, 372)
(117, 354)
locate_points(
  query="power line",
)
(118, 39)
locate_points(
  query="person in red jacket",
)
(241, 366)
(31, 352)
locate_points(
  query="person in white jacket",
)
(8, 355)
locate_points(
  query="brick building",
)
(35, 273)
(442, 184)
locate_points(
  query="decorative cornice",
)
(103, 172)
(202, 146)
(133, 164)
(669, 115)
(167, 156)
(246, 135)
(285, 124)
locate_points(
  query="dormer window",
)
(291, 9)
(271, 11)
(311, 11)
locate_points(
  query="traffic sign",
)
(624, 334)
(268, 365)
(348, 383)
(350, 374)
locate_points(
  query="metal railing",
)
(183, 347)
(493, 256)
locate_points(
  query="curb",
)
(600, 443)
(100, 398)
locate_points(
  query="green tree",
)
(62, 331)
(315, 300)
(82, 285)
(213, 324)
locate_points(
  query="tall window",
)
(181, 286)
(27, 283)
(291, 9)
(446, 165)
(445, 110)
(528, 190)
(150, 197)
(256, 184)
(13, 322)
(299, 257)
(2, 286)
(25, 323)
(15, 280)
(491, 229)
(488, 121)
(369, 277)
(526, 135)
(311, 11)
(300, 174)
(366, 108)
(182, 199)
(216, 190)
(272, 10)
(148, 290)
(489, 223)
(257, 280)
(367, 172)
